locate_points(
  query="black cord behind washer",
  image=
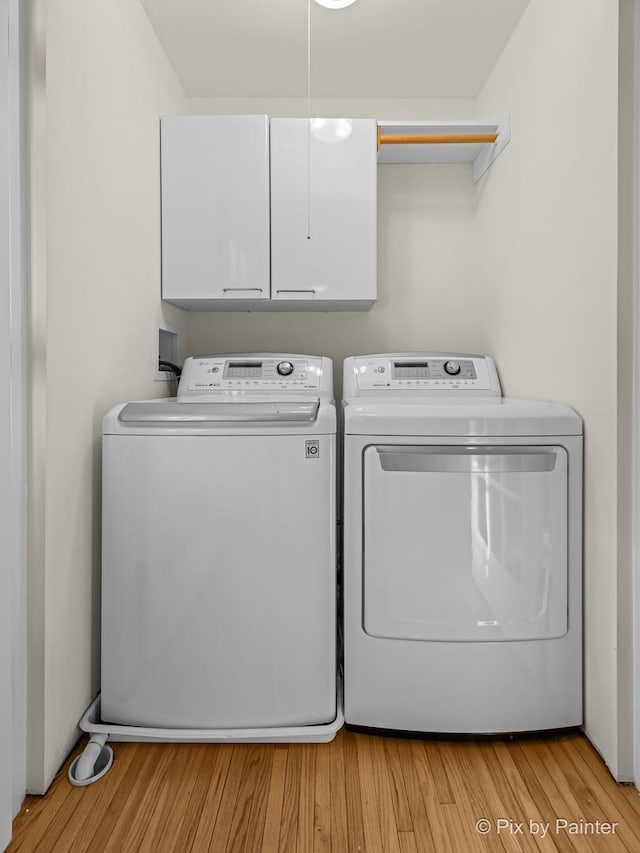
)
(173, 368)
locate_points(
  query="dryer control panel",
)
(260, 374)
(435, 373)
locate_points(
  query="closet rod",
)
(434, 139)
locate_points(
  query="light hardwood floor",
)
(359, 793)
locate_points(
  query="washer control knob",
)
(285, 368)
(452, 367)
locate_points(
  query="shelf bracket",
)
(490, 153)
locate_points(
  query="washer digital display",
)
(243, 370)
(411, 370)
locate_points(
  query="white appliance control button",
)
(452, 367)
(285, 368)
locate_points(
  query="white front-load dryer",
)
(462, 550)
(219, 551)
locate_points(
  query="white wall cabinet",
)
(252, 223)
(323, 212)
(215, 211)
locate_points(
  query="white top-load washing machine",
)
(462, 550)
(219, 549)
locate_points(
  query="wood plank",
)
(307, 798)
(529, 810)
(507, 806)
(254, 777)
(355, 823)
(463, 830)
(322, 801)
(129, 834)
(136, 808)
(545, 795)
(476, 795)
(237, 832)
(211, 804)
(338, 796)
(227, 807)
(555, 787)
(429, 833)
(490, 779)
(398, 789)
(168, 814)
(438, 814)
(273, 817)
(438, 773)
(384, 801)
(632, 796)
(407, 842)
(289, 827)
(368, 796)
(199, 779)
(258, 814)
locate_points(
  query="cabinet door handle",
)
(242, 290)
(309, 291)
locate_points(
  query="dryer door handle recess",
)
(466, 460)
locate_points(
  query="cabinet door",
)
(323, 211)
(215, 209)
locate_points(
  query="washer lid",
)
(506, 417)
(171, 413)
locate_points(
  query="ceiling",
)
(373, 49)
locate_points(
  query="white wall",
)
(523, 267)
(16, 538)
(387, 108)
(547, 241)
(627, 374)
(12, 462)
(100, 83)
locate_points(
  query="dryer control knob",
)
(452, 367)
(285, 368)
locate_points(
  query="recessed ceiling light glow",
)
(335, 4)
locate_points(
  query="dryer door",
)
(465, 543)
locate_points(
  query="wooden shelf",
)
(480, 154)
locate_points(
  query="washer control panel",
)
(438, 372)
(254, 374)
